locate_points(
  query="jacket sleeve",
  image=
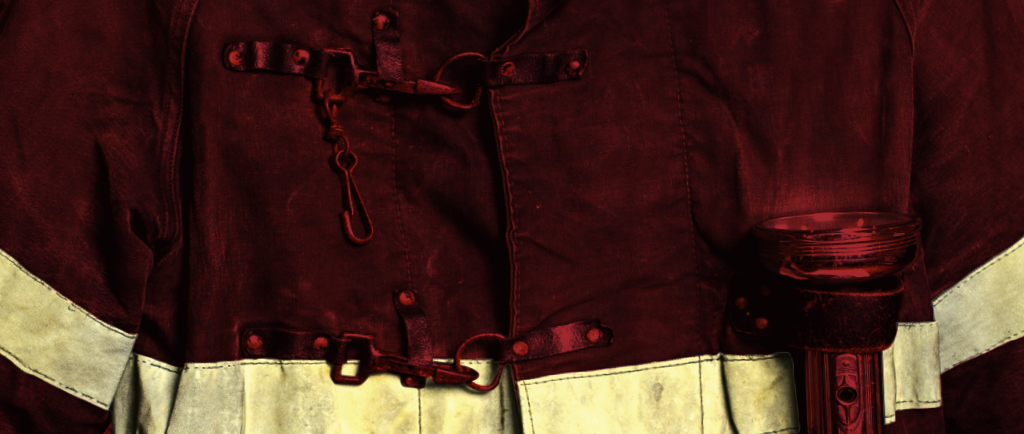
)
(968, 188)
(87, 204)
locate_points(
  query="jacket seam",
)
(185, 10)
(398, 201)
(512, 227)
(686, 159)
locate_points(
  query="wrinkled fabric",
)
(176, 199)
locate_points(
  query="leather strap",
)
(550, 341)
(320, 64)
(539, 343)
(861, 318)
(534, 68)
(276, 57)
(417, 331)
(386, 46)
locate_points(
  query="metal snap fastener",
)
(574, 69)
(741, 303)
(380, 21)
(761, 323)
(508, 69)
(520, 348)
(320, 344)
(300, 57)
(235, 58)
(254, 342)
(594, 335)
(407, 298)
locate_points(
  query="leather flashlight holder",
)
(842, 328)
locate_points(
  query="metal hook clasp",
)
(352, 201)
(374, 361)
(457, 364)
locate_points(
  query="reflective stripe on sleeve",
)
(48, 336)
(982, 311)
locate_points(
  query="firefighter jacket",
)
(223, 216)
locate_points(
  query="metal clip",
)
(374, 361)
(370, 80)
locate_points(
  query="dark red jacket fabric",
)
(172, 197)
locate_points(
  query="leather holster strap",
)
(861, 318)
(849, 321)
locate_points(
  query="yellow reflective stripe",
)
(982, 311)
(704, 394)
(48, 336)
(297, 396)
(910, 370)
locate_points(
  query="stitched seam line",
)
(175, 371)
(916, 324)
(686, 159)
(281, 363)
(51, 380)
(398, 202)
(718, 357)
(999, 258)
(529, 408)
(513, 252)
(700, 382)
(73, 305)
(792, 428)
(918, 402)
(172, 164)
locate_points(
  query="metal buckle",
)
(372, 361)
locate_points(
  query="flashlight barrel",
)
(844, 393)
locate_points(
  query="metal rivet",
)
(407, 298)
(594, 335)
(380, 21)
(320, 343)
(761, 323)
(741, 303)
(520, 348)
(574, 69)
(235, 58)
(300, 57)
(254, 342)
(410, 381)
(508, 69)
